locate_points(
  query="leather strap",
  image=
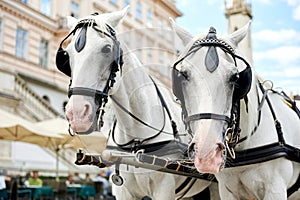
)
(86, 92)
(207, 116)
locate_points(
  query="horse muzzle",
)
(81, 115)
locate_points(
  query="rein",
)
(136, 144)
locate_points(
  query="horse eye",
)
(106, 49)
(234, 77)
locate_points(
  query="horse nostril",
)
(86, 109)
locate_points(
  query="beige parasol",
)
(15, 128)
(94, 142)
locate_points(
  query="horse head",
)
(91, 59)
(209, 78)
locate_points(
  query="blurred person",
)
(70, 180)
(101, 177)
(3, 179)
(88, 178)
(108, 172)
(35, 180)
(76, 177)
(25, 180)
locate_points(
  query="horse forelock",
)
(99, 22)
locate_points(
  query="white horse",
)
(99, 68)
(212, 80)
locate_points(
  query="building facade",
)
(30, 33)
(238, 14)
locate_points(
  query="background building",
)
(238, 14)
(30, 33)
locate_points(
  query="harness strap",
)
(207, 116)
(86, 92)
(294, 187)
(159, 148)
(182, 186)
(163, 102)
(138, 119)
(276, 121)
(263, 154)
(188, 188)
(136, 143)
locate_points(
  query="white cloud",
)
(283, 55)
(295, 4)
(284, 72)
(283, 36)
(212, 2)
(284, 77)
(296, 13)
(292, 72)
(182, 3)
(264, 1)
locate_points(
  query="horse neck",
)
(135, 91)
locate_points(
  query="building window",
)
(46, 7)
(161, 58)
(161, 64)
(44, 48)
(149, 57)
(74, 9)
(138, 14)
(149, 18)
(1, 33)
(160, 26)
(24, 1)
(21, 43)
(113, 1)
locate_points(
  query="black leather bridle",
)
(63, 64)
(241, 87)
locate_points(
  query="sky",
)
(275, 31)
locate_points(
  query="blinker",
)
(62, 56)
(63, 61)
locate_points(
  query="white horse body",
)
(266, 180)
(135, 91)
(271, 179)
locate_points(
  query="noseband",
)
(63, 63)
(241, 87)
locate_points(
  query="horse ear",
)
(183, 34)
(237, 36)
(71, 21)
(116, 17)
